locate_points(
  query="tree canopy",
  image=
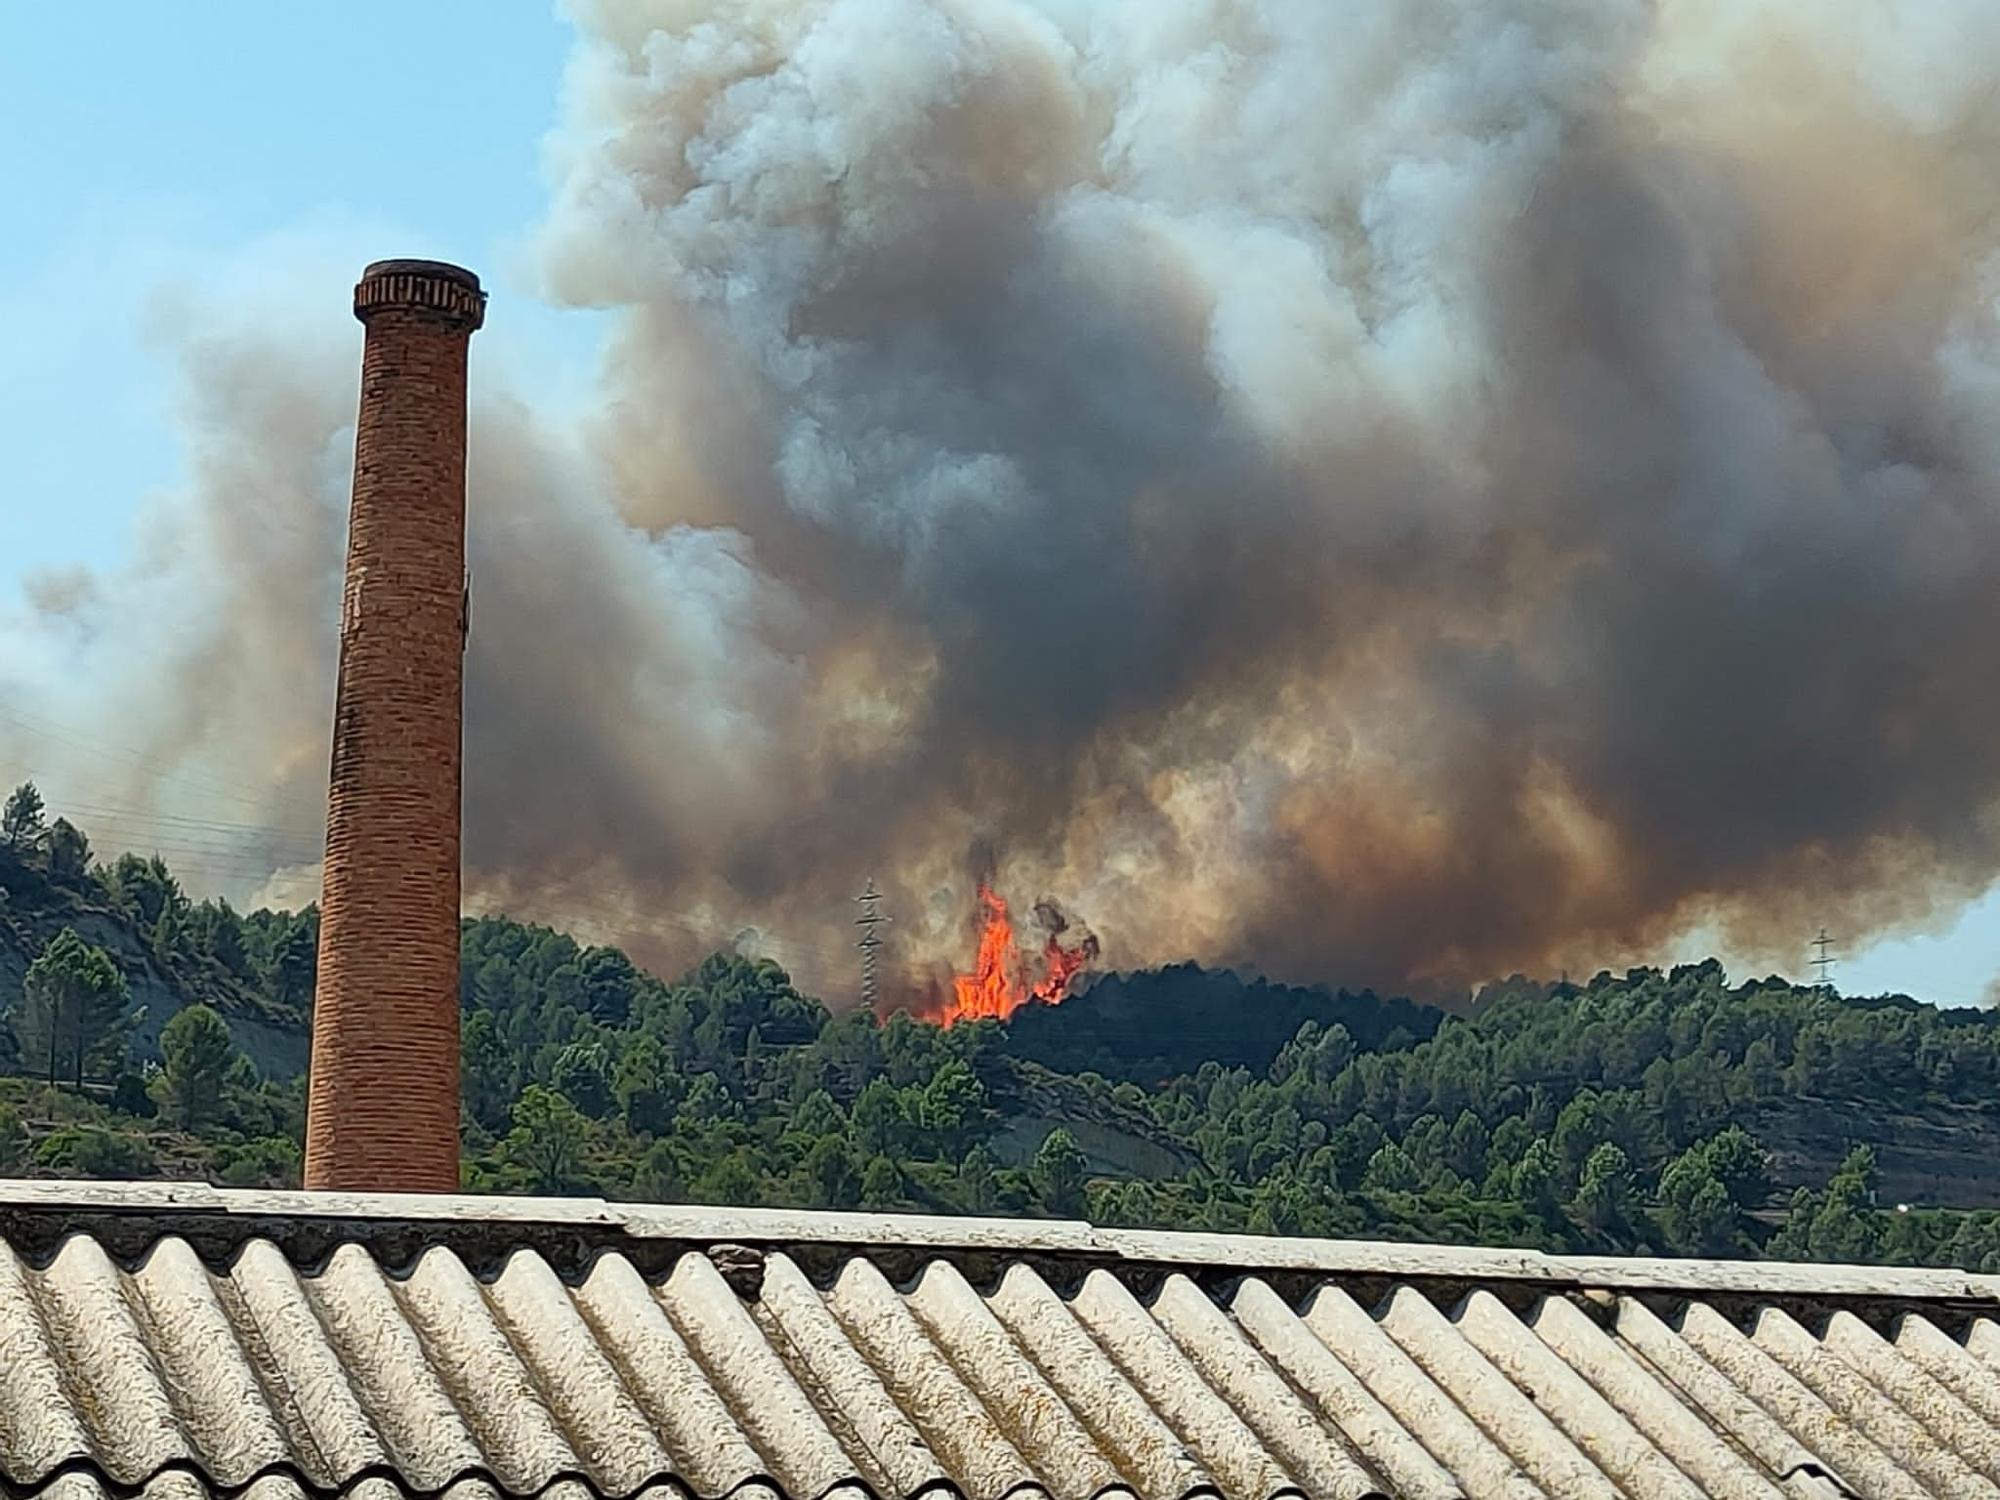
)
(72, 1011)
(1619, 1115)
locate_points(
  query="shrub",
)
(92, 1151)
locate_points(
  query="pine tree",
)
(295, 964)
(66, 852)
(13, 1141)
(547, 1140)
(198, 1051)
(1059, 1173)
(74, 1010)
(23, 821)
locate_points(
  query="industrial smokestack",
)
(382, 1114)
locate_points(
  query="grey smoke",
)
(1394, 491)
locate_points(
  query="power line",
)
(177, 821)
(79, 741)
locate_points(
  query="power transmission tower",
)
(868, 921)
(1825, 961)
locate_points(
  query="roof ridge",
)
(167, 1205)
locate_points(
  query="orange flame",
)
(990, 990)
(995, 988)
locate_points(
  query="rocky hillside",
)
(1940, 1154)
(272, 1033)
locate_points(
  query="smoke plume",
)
(1390, 492)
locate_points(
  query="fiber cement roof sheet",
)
(178, 1343)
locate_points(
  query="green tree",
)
(1846, 1224)
(977, 1182)
(1280, 1205)
(882, 1184)
(265, 1162)
(215, 932)
(707, 1100)
(66, 852)
(952, 1108)
(731, 1180)
(1466, 1151)
(129, 1096)
(1696, 1215)
(1129, 1205)
(646, 1085)
(145, 889)
(817, 1117)
(1604, 1191)
(1354, 1145)
(547, 1141)
(879, 1118)
(93, 1151)
(829, 1168)
(1537, 1178)
(1424, 1142)
(295, 963)
(196, 1050)
(1390, 1170)
(1741, 1164)
(1058, 1174)
(1789, 1242)
(609, 983)
(660, 1176)
(23, 822)
(74, 1009)
(1582, 1126)
(582, 1074)
(486, 1071)
(848, 1054)
(13, 1142)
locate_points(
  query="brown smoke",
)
(1393, 492)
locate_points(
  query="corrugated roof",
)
(183, 1341)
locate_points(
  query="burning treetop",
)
(999, 983)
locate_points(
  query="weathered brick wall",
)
(382, 1110)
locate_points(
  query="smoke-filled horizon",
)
(1396, 492)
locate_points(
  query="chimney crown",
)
(430, 288)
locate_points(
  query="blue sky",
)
(138, 139)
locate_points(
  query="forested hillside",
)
(142, 1034)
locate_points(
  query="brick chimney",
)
(382, 1110)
